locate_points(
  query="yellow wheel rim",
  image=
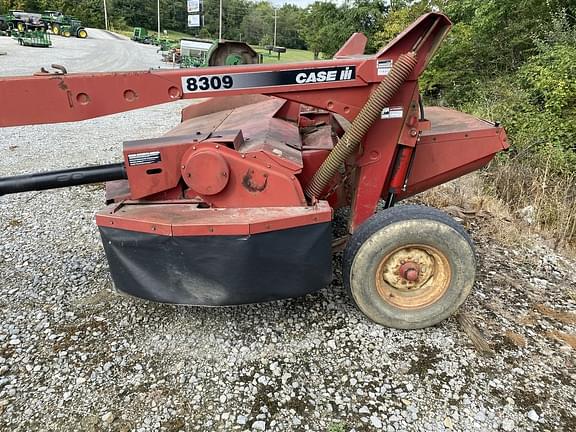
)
(82, 34)
(21, 27)
(56, 30)
(413, 276)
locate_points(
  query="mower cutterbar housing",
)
(218, 211)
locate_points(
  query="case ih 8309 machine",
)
(235, 204)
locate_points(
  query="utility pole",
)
(158, 19)
(105, 16)
(275, 22)
(220, 26)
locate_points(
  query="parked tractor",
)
(23, 21)
(140, 34)
(60, 24)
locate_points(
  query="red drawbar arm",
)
(341, 85)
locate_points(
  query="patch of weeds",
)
(174, 425)
(337, 427)
(14, 223)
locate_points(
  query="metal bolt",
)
(411, 275)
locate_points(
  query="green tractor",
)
(64, 25)
(23, 21)
(140, 34)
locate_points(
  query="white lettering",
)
(301, 78)
(331, 76)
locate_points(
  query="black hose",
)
(63, 178)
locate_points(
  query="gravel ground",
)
(101, 51)
(74, 355)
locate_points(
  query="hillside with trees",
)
(506, 60)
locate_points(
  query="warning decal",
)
(384, 67)
(392, 113)
(145, 158)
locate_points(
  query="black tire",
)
(444, 267)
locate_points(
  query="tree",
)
(323, 28)
(258, 23)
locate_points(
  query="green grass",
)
(337, 427)
(290, 56)
(174, 35)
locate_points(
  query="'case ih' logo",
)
(324, 76)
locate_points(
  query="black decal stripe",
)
(271, 79)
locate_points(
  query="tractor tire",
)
(82, 34)
(409, 267)
(21, 27)
(66, 33)
(55, 29)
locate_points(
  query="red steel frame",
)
(386, 155)
(75, 97)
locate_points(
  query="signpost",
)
(193, 6)
(194, 13)
(193, 20)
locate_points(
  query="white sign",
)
(193, 20)
(384, 67)
(392, 113)
(193, 6)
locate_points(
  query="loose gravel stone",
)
(508, 425)
(108, 418)
(532, 415)
(376, 422)
(259, 425)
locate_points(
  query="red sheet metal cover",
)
(177, 219)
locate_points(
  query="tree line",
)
(321, 27)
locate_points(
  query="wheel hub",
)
(409, 271)
(413, 276)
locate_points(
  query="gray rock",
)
(533, 415)
(108, 418)
(376, 422)
(508, 425)
(364, 410)
(259, 425)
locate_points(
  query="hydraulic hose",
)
(369, 113)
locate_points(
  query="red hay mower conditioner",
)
(235, 204)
